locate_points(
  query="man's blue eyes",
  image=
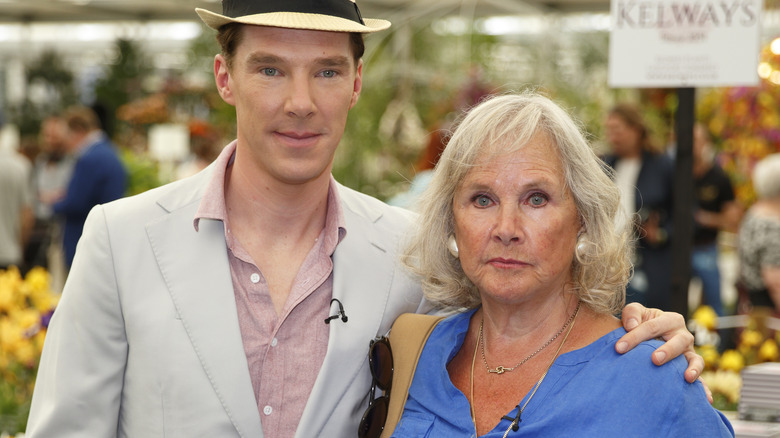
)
(270, 71)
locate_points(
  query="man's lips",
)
(297, 138)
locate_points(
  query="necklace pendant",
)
(498, 370)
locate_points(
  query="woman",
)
(529, 217)
(759, 238)
(645, 178)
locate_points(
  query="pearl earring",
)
(452, 246)
(582, 248)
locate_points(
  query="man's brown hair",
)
(81, 119)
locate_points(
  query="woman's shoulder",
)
(759, 227)
(762, 217)
(636, 366)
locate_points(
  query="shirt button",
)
(267, 410)
(274, 342)
(255, 277)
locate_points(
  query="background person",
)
(716, 210)
(16, 207)
(759, 238)
(645, 178)
(51, 173)
(528, 215)
(98, 175)
(198, 308)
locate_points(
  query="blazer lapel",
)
(197, 273)
(362, 275)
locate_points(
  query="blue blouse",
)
(590, 392)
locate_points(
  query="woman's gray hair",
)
(766, 177)
(504, 124)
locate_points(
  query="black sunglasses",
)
(380, 361)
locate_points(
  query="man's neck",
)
(700, 167)
(86, 140)
(260, 201)
(276, 223)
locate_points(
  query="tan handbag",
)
(407, 337)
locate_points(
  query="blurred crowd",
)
(50, 184)
(49, 192)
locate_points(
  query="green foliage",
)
(49, 75)
(405, 96)
(15, 398)
(142, 172)
(123, 79)
(202, 49)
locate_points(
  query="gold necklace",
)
(517, 420)
(500, 369)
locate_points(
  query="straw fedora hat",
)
(328, 15)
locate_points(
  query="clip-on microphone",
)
(340, 312)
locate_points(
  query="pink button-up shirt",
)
(284, 352)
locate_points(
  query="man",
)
(717, 210)
(200, 308)
(98, 175)
(16, 214)
(645, 178)
(51, 173)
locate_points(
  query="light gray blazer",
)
(146, 343)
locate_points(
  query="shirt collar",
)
(213, 206)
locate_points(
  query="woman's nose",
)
(508, 226)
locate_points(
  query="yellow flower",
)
(732, 360)
(706, 316)
(6, 297)
(710, 355)
(25, 354)
(10, 335)
(38, 279)
(728, 383)
(27, 318)
(768, 352)
(751, 338)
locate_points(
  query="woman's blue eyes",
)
(482, 201)
(535, 200)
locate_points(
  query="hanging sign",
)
(684, 43)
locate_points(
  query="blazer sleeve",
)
(80, 379)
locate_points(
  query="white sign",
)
(169, 142)
(684, 43)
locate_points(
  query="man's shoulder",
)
(165, 198)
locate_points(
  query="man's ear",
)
(358, 86)
(222, 78)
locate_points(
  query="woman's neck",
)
(769, 207)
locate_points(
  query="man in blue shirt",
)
(98, 176)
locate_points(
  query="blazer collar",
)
(196, 270)
(362, 276)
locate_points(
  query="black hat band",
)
(337, 8)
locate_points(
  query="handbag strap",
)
(408, 336)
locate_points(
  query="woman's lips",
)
(501, 262)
